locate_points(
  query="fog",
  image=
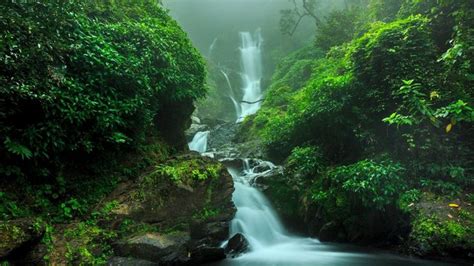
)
(205, 20)
(214, 26)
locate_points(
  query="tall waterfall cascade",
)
(251, 60)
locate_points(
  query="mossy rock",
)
(18, 234)
(442, 226)
(188, 194)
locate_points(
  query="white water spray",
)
(199, 142)
(251, 59)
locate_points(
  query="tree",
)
(291, 18)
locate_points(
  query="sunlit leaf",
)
(449, 127)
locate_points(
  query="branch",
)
(261, 100)
(310, 12)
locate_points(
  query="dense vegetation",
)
(375, 125)
(86, 88)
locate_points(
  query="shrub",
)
(371, 184)
(80, 81)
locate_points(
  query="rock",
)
(210, 230)
(195, 120)
(193, 129)
(18, 236)
(236, 245)
(174, 119)
(205, 254)
(198, 208)
(232, 163)
(121, 261)
(329, 232)
(161, 248)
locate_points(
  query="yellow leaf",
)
(434, 95)
(449, 127)
(453, 205)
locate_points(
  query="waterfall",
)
(271, 244)
(199, 142)
(231, 95)
(251, 60)
(255, 217)
(211, 47)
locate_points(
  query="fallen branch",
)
(261, 100)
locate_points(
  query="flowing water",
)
(199, 142)
(251, 60)
(271, 244)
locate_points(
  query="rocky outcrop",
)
(156, 247)
(185, 206)
(18, 235)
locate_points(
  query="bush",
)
(81, 82)
(367, 184)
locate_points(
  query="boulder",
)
(206, 254)
(160, 248)
(121, 261)
(16, 235)
(190, 196)
(236, 245)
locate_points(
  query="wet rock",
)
(18, 236)
(193, 129)
(221, 135)
(232, 162)
(236, 245)
(213, 232)
(121, 261)
(205, 254)
(330, 232)
(161, 248)
(195, 120)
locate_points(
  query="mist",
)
(206, 20)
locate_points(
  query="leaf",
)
(434, 95)
(453, 205)
(449, 127)
(18, 149)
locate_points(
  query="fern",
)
(17, 149)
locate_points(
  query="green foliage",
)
(88, 244)
(85, 81)
(374, 185)
(205, 214)
(399, 86)
(304, 164)
(185, 170)
(384, 10)
(408, 198)
(10, 208)
(338, 28)
(432, 235)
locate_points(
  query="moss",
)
(206, 213)
(438, 228)
(189, 170)
(11, 234)
(432, 235)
